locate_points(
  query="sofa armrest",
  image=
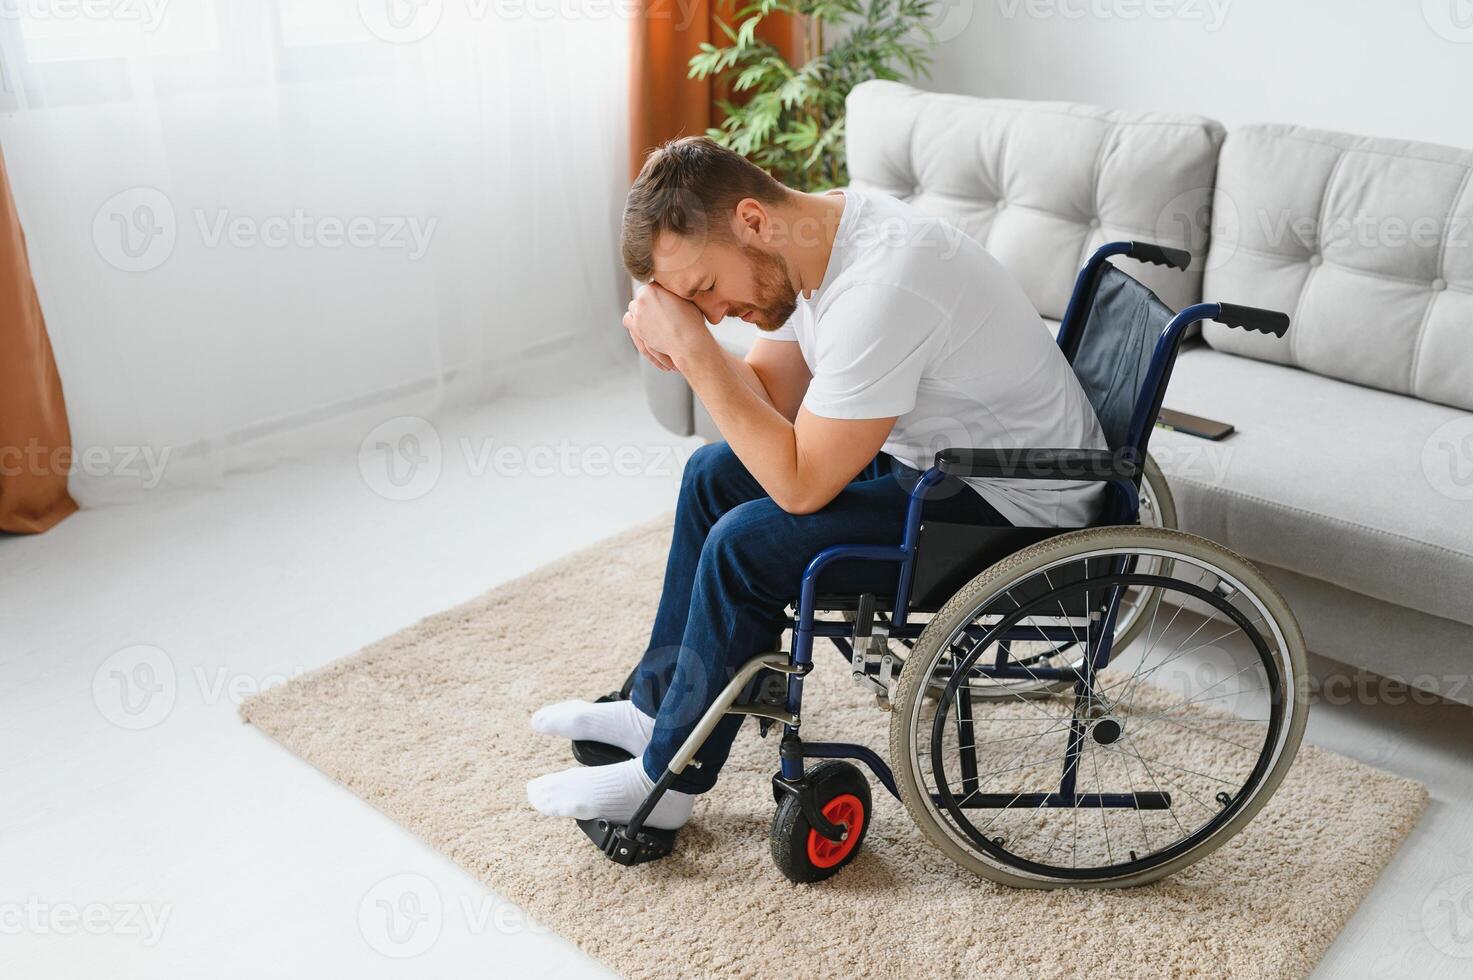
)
(669, 398)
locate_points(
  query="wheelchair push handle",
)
(1253, 318)
(1175, 258)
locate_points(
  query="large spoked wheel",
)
(1103, 777)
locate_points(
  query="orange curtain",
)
(663, 102)
(35, 441)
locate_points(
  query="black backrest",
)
(1113, 354)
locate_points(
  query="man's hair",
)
(688, 186)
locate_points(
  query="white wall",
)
(1399, 68)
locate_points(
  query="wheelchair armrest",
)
(1037, 464)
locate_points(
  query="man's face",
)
(727, 279)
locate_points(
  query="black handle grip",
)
(1176, 258)
(1252, 318)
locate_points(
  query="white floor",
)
(154, 834)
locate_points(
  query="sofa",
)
(1349, 476)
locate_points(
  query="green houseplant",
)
(789, 119)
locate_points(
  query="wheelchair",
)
(1069, 707)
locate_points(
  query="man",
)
(886, 336)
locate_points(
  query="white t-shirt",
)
(915, 319)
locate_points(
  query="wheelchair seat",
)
(951, 555)
(947, 557)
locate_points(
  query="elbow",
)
(798, 502)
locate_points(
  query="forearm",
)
(748, 376)
(761, 437)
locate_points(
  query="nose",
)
(713, 310)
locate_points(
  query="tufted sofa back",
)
(1366, 243)
(1041, 184)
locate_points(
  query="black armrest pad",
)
(1036, 464)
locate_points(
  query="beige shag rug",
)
(430, 726)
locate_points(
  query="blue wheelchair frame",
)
(1122, 508)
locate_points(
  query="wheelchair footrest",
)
(650, 844)
(587, 752)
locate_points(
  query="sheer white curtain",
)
(245, 214)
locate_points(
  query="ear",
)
(751, 222)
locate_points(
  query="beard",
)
(776, 297)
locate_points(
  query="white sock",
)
(611, 722)
(611, 792)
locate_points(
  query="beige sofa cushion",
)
(1366, 243)
(1368, 490)
(1041, 184)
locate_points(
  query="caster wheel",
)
(841, 793)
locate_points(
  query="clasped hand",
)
(663, 326)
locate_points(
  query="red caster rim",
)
(844, 809)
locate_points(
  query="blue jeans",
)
(735, 563)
